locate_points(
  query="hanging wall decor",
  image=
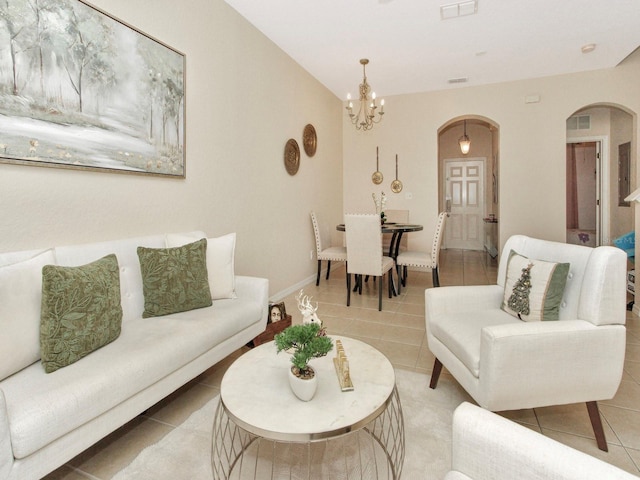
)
(292, 156)
(377, 177)
(396, 185)
(84, 90)
(309, 140)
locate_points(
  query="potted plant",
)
(304, 342)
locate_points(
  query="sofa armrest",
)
(255, 288)
(448, 300)
(6, 452)
(486, 446)
(559, 362)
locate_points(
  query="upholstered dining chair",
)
(489, 337)
(324, 249)
(411, 258)
(364, 253)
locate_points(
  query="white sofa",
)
(47, 419)
(486, 446)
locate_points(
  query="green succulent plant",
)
(306, 341)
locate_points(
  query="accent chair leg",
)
(390, 283)
(436, 277)
(328, 268)
(435, 375)
(596, 423)
(380, 295)
(348, 289)
(404, 276)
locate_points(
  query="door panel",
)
(464, 191)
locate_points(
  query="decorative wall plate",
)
(309, 140)
(292, 157)
(377, 175)
(396, 185)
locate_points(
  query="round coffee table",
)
(261, 430)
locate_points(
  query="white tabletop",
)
(256, 394)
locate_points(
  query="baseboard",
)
(276, 297)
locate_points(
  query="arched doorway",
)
(599, 174)
(468, 183)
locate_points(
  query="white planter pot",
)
(304, 389)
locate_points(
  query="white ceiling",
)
(411, 49)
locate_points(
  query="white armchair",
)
(486, 446)
(505, 363)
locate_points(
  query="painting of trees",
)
(81, 89)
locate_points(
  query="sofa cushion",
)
(81, 311)
(42, 408)
(534, 288)
(220, 262)
(20, 299)
(462, 336)
(174, 279)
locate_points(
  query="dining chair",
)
(429, 260)
(324, 250)
(394, 216)
(364, 253)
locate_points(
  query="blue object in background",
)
(627, 242)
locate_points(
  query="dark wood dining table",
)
(397, 230)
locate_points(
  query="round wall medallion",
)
(292, 157)
(377, 178)
(396, 186)
(309, 140)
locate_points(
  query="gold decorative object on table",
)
(292, 157)
(377, 175)
(342, 368)
(396, 185)
(309, 140)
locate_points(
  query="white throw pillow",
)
(220, 262)
(20, 302)
(533, 288)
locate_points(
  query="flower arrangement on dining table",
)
(380, 204)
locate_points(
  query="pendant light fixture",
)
(464, 141)
(366, 116)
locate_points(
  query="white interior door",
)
(464, 199)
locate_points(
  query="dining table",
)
(396, 230)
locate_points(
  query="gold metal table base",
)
(375, 451)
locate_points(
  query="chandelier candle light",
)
(366, 116)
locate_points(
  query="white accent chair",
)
(324, 250)
(486, 446)
(507, 364)
(364, 253)
(430, 260)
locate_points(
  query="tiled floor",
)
(399, 332)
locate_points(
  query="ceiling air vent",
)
(458, 80)
(579, 122)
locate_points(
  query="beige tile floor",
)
(399, 332)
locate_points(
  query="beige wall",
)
(531, 148)
(245, 98)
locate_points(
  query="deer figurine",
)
(307, 310)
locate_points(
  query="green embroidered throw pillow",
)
(80, 312)
(174, 279)
(534, 288)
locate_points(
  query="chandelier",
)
(464, 141)
(366, 116)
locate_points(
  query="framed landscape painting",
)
(81, 89)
